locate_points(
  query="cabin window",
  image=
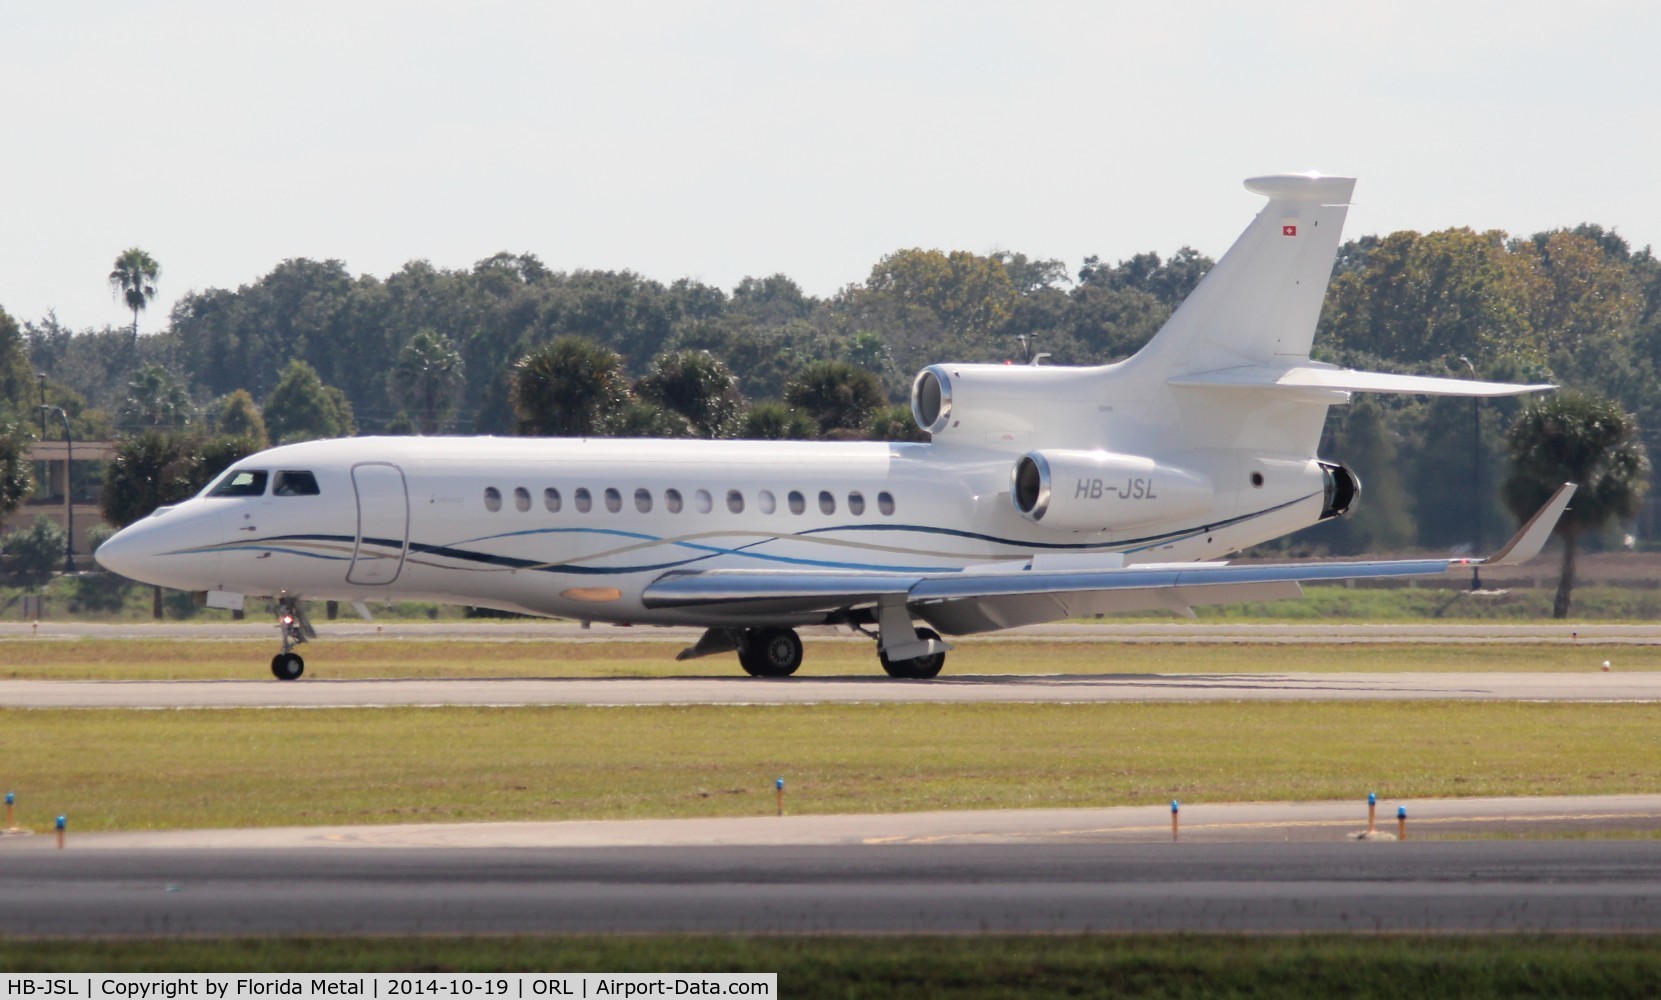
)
(492, 499)
(672, 500)
(550, 500)
(702, 501)
(765, 501)
(295, 483)
(735, 501)
(827, 503)
(241, 483)
(614, 499)
(521, 498)
(856, 503)
(583, 500)
(797, 502)
(885, 503)
(643, 500)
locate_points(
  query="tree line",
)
(510, 346)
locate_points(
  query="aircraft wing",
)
(982, 600)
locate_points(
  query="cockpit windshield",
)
(295, 483)
(240, 483)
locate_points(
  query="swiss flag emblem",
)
(1288, 230)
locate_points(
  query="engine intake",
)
(1104, 491)
(931, 399)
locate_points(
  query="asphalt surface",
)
(256, 628)
(1428, 886)
(1586, 686)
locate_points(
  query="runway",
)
(964, 689)
(951, 888)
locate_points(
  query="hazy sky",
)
(718, 140)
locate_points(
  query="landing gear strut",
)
(918, 667)
(770, 652)
(291, 620)
(906, 651)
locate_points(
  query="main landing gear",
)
(762, 652)
(917, 667)
(905, 651)
(769, 652)
(291, 620)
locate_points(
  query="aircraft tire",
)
(287, 666)
(770, 652)
(918, 667)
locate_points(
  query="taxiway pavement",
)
(1645, 633)
(1195, 887)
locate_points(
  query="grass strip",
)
(165, 659)
(959, 967)
(118, 769)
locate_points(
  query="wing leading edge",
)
(959, 603)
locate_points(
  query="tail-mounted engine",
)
(1001, 406)
(1102, 491)
(1340, 489)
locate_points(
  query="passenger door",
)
(383, 524)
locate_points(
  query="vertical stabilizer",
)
(1259, 305)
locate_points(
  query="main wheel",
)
(770, 652)
(287, 666)
(918, 667)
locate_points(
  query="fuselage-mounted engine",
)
(1102, 491)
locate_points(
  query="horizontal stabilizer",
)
(1302, 379)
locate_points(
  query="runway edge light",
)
(1401, 822)
(779, 787)
(1175, 805)
(62, 823)
(1372, 812)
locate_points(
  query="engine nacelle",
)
(1103, 491)
(1002, 406)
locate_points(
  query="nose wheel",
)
(287, 666)
(295, 628)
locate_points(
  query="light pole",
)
(68, 484)
(1476, 462)
(42, 377)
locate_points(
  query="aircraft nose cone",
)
(174, 547)
(121, 554)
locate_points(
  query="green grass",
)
(1429, 604)
(119, 769)
(971, 966)
(163, 659)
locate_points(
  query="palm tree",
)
(426, 379)
(569, 387)
(134, 281)
(838, 395)
(1573, 437)
(698, 386)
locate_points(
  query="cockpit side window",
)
(295, 483)
(241, 483)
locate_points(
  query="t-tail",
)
(1229, 370)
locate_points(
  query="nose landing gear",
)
(296, 628)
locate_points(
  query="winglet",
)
(1529, 539)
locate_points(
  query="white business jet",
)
(1045, 493)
